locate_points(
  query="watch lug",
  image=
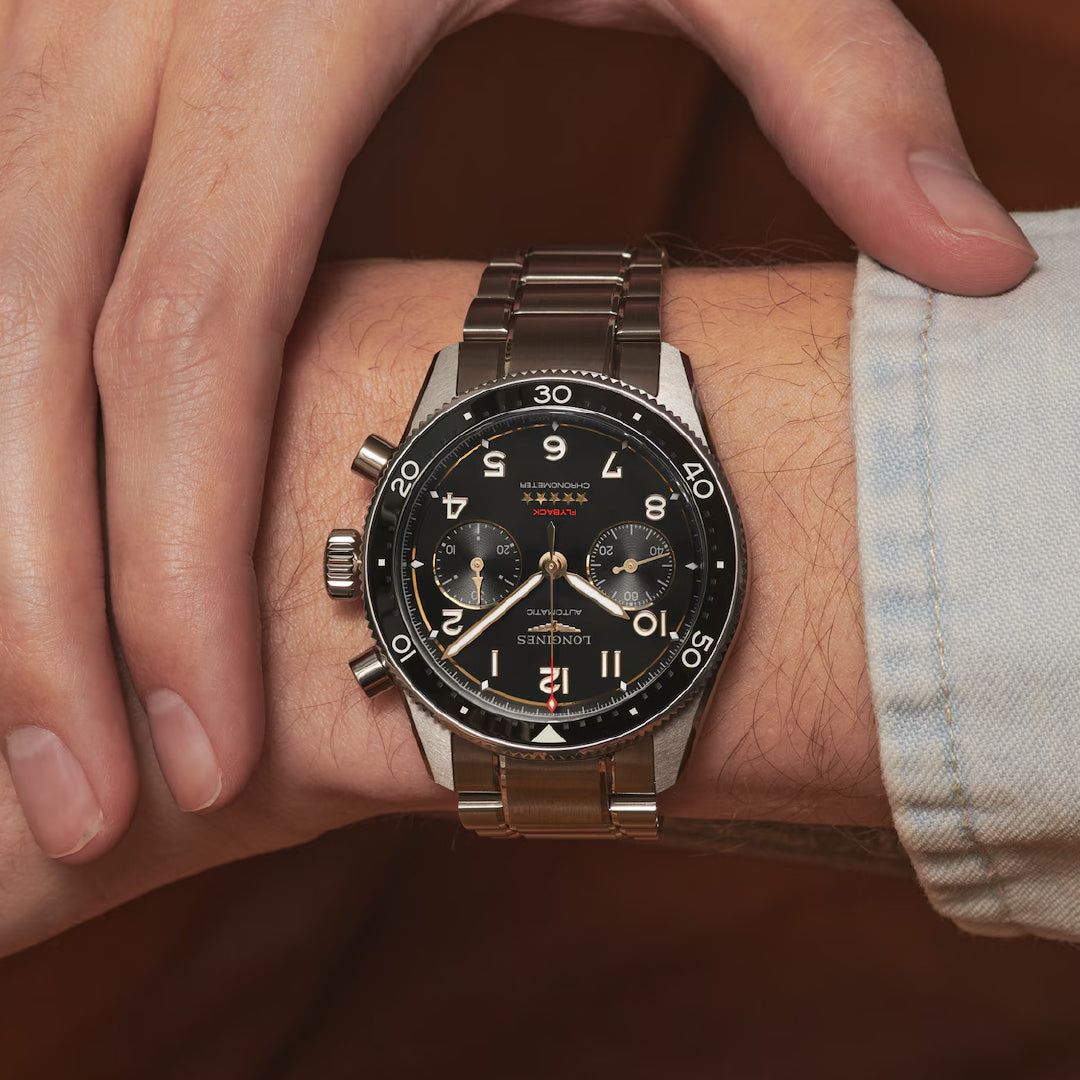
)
(678, 394)
(435, 743)
(672, 741)
(439, 389)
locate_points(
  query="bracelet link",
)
(562, 310)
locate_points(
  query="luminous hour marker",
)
(720, 565)
(633, 712)
(548, 734)
(484, 685)
(690, 565)
(464, 710)
(466, 416)
(622, 686)
(494, 663)
(434, 494)
(611, 663)
(637, 416)
(416, 564)
(554, 425)
(484, 443)
(382, 562)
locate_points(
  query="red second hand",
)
(551, 702)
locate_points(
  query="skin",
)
(789, 735)
(176, 112)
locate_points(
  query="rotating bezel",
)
(724, 569)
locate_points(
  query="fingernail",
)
(962, 201)
(183, 750)
(59, 805)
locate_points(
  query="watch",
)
(553, 564)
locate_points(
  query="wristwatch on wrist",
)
(553, 564)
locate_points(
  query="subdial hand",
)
(494, 615)
(590, 592)
(632, 564)
(477, 567)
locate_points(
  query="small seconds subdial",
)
(632, 563)
(477, 564)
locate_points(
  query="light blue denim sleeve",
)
(966, 416)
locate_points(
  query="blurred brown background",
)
(407, 949)
(520, 132)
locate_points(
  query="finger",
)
(855, 101)
(262, 106)
(71, 146)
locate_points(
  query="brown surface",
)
(400, 952)
(396, 951)
(519, 132)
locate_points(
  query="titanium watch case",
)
(434, 706)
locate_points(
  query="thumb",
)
(855, 101)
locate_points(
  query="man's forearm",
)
(789, 734)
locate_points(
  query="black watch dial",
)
(551, 565)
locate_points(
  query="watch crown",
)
(341, 563)
(372, 457)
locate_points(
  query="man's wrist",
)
(789, 735)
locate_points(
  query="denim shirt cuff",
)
(966, 415)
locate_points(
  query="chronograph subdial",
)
(633, 563)
(477, 564)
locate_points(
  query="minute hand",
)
(588, 590)
(494, 615)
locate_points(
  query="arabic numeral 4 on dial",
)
(454, 505)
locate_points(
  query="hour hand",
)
(591, 592)
(493, 616)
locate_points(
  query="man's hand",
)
(227, 125)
